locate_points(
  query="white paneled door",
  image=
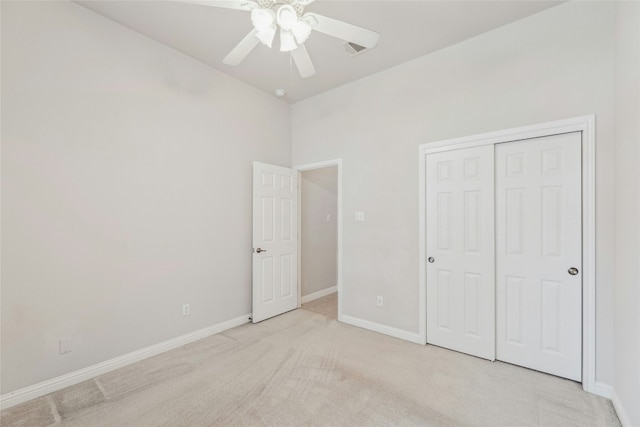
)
(460, 250)
(539, 253)
(275, 288)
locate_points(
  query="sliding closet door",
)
(538, 254)
(460, 250)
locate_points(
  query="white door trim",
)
(584, 124)
(308, 167)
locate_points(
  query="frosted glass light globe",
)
(287, 42)
(262, 18)
(287, 17)
(301, 30)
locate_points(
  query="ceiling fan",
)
(267, 16)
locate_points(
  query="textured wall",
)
(627, 284)
(319, 242)
(553, 65)
(126, 190)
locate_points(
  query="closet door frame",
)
(583, 124)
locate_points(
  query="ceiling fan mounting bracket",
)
(298, 5)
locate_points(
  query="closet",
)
(504, 252)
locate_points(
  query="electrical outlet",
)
(380, 301)
(64, 345)
(186, 309)
(328, 217)
(358, 216)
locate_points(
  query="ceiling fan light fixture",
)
(262, 19)
(287, 41)
(287, 17)
(266, 35)
(267, 16)
(301, 30)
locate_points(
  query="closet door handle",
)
(573, 271)
(431, 259)
(260, 250)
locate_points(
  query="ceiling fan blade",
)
(242, 49)
(342, 30)
(227, 4)
(303, 61)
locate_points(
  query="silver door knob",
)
(431, 259)
(573, 271)
(260, 250)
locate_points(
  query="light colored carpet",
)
(305, 369)
(327, 306)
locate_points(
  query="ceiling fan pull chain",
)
(290, 66)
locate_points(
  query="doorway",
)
(584, 128)
(319, 231)
(513, 293)
(538, 259)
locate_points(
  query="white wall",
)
(319, 236)
(554, 65)
(626, 381)
(126, 190)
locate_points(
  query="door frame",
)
(307, 167)
(584, 124)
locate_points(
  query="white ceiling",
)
(409, 29)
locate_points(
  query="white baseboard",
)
(13, 398)
(383, 329)
(622, 414)
(602, 389)
(323, 293)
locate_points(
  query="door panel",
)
(460, 239)
(514, 309)
(275, 288)
(538, 238)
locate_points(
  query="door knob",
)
(260, 250)
(431, 259)
(573, 271)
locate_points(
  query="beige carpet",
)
(304, 369)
